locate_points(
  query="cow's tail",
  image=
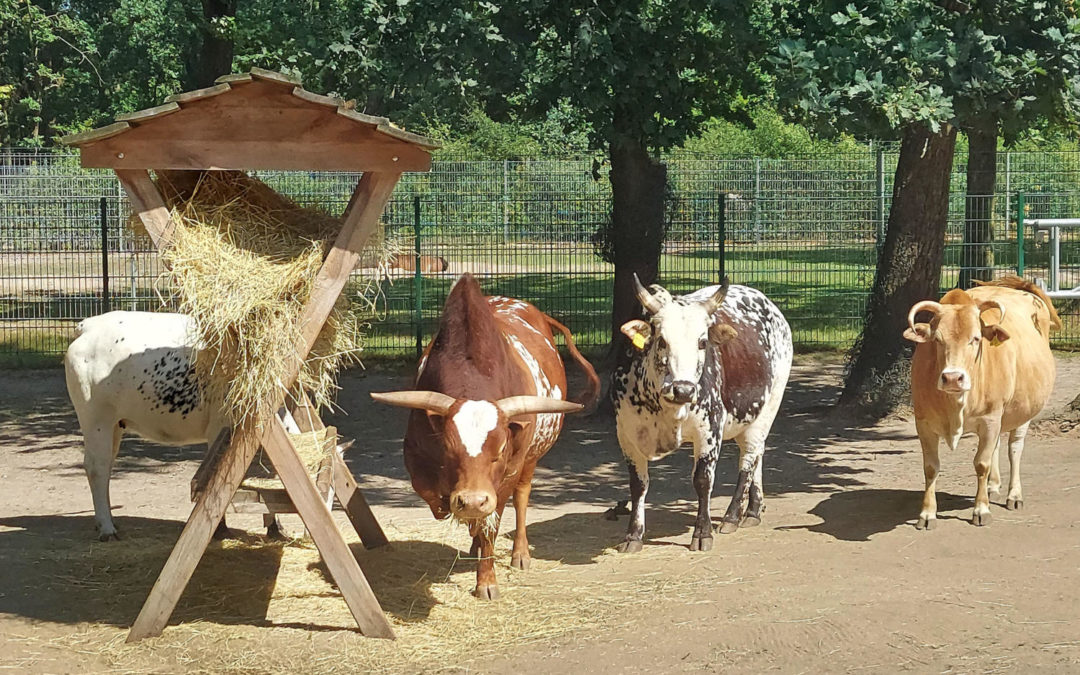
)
(1017, 283)
(592, 389)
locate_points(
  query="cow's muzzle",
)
(681, 391)
(471, 504)
(954, 381)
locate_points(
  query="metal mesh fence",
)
(803, 230)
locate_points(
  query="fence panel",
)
(803, 230)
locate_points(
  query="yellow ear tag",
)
(995, 342)
(639, 341)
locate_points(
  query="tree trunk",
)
(215, 55)
(908, 270)
(978, 252)
(637, 190)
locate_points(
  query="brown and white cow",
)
(488, 404)
(982, 364)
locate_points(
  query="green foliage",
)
(647, 71)
(873, 69)
(45, 61)
(768, 137)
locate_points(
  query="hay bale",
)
(242, 262)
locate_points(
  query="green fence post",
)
(722, 227)
(418, 282)
(103, 214)
(1020, 234)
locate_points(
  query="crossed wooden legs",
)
(359, 222)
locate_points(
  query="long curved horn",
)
(432, 401)
(928, 305)
(513, 406)
(717, 298)
(987, 304)
(650, 303)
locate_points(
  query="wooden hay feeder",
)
(265, 120)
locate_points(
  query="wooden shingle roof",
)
(256, 120)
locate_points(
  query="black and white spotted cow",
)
(132, 371)
(707, 366)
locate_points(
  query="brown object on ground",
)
(428, 264)
(262, 120)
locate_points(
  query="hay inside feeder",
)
(242, 262)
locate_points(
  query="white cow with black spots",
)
(132, 371)
(708, 366)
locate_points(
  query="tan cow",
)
(983, 364)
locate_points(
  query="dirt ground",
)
(836, 579)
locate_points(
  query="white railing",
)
(1054, 227)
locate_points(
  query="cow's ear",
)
(995, 334)
(639, 332)
(719, 333)
(516, 426)
(437, 421)
(920, 333)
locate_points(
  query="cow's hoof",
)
(750, 521)
(926, 523)
(701, 544)
(1014, 504)
(629, 546)
(520, 562)
(728, 527)
(993, 489)
(981, 519)
(109, 536)
(487, 592)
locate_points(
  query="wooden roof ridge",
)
(225, 84)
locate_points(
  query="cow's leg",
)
(100, 447)
(704, 471)
(487, 588)
(989, 432)
(520, 557)
(756, 503)
(639, 487)
(1015, 500)
(931, 464)
(993, 483)
(752, 447)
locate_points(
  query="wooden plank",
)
(360, 117)
(199, 94)
(319, 522)
(318, 99)
(304, 413)
(214, 452)
(283, 155)
(149, 113)
(234, 78)
(208, 511)
(147, 202)
(356, 507)
(275, 77)
(99, 134)
(409, 137)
